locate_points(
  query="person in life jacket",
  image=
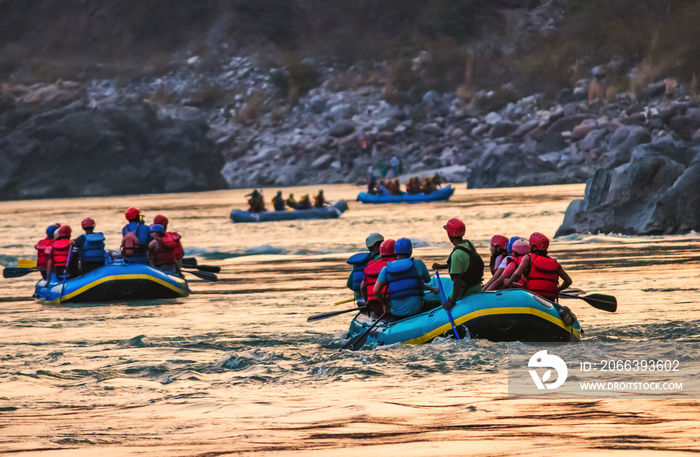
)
(90, 246)
(291, 201)
(278, 201)
(500, 263)
(135, 237)
(520, 249)
(256, 202)
(498, 251)
(171, 239)
(405, 280)
(320, 200)
(465, 265)
(162, 253)
(371, 272)
(41, 259)
(541, 272)
(304, 202)
(360, 260)
(60, 257)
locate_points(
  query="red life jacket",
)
(40, 247)
(59, 252)
(164, 255)
(372, 271)
(522, 282)
(172, 239)
(543, 277)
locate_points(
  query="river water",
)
(236, 369)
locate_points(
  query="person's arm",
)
(425, 276)
(517, 274)
(496, 276)
(565, 276)
(505, 274)
(363, 289)
(152, 248)
(439, 266)
(379, 285)
(49, 263)
(456, 291)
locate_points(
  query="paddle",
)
(444, 299)
(191, 262)
(343, 301)
(600, 301)
(318, 317)
(205, 275)
(26, 263)
(16, 272)
(359, 341)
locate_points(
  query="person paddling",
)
(42, 245)
(171, 239)
(278, 201)
(360, 260)
(91, 247)
(320, 200)
(465, 265)
(405, 279)
(59, 254)
(371, 272)
(541, 272)
(162, 253)
(135, 237)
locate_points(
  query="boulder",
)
(592, 140)
(322, 162)
(503, 128)
(342, 128)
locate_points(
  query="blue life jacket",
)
(403, 279)
(93, 250)
(359, 261)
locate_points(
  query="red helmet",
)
(87, 222)
(387, 247)
(500, 241)
(160, 219)
(455, 227)
(521, 247)
(132, 213)
(538, 242)
(64, 231)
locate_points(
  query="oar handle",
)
(449, 313)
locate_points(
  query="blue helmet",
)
(157, 228)
(513, 239)
(50, 230)
(403, 246)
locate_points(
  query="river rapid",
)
(236, 369)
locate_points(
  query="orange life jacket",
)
(522, 282)
(372, 271)
(60, 250)
(41, 259)
(543, 277)
(172, 239)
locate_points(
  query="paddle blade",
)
(205, 275)
(343, 301)
(321, 316)
(602, 301)
(26, 263)
(190, 262)
(209, 268)
(358, 341)
(16, 272)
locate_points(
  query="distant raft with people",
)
(506, 315)
(439, 195)
(327, 212)
(113, 282)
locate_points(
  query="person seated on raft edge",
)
(291, 202)
(278, 201)
(405, 279)
(320, 200)
(413, 186)
(162, 253)
(42, 245)
(360, 260)
(465, 265)
(304, 202)
(371, 272)
(91, 247)
(428, 186)
(520, 249)
(135, 238)
(59, 254)
(540, 271)
(498, 251)
(501, 266)
(171, 239)
(256, 202)
(437, 181)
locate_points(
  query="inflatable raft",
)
(441, 194)
(115, 282)
(507, 315)
(329, 212)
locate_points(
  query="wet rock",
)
(593, 140)
(503, 128)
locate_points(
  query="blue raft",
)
(506, 315)
(441, 194)
(114, 282)
(328, 212)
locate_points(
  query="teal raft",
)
(114, 282)
(328, 212)
(506, 315)
(441, 194)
